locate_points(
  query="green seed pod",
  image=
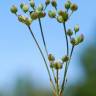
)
(28, 21)
(65, 59)
(54, 3)
(52, 14)
(14, 9)
(67, 4)
(42, 15)
(40, 7)
(73, 41)
(33, 15)
(80, 39)
(76, 28)
(32, 3)
(60, 19)
(74, 7)
(65, 16)
(47, 2)
(21, 5)
(21, 18)
(58, 65)
(60, 12)
(69, 32)
(51, 57)
(25, 8)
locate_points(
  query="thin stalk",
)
(42, 56)
(65, 72)
(42, 34)
(57, 81)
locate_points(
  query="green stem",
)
(42, 34)
(42, 56)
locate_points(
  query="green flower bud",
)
(73, 41)
(54, 3)
(67, 4)
(69, 32)
(74, 7)
(47, 2)
(25, 8)
(80, 39)
(21, 5)
(60, 12)
(40, 7)
(21, 18)
(42, 14)
(28, 21)
(65, 59)
(32, 3)
(34, 15)
(58, 65)
(60, 19)
(51, 57)
(14, 9)
(65, 16)
(52, 14)
(76, 28)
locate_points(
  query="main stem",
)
(42, 56)
(66, 67)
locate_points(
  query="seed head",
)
(47, 2)
(52, 14)
(51, 57)
(32, 3)
(40, 7)
(25, 8)
(76, 28)
(65, 58)
(69, 32)
(14, 9)
(34, 15)
(67, 4)
(54, 3)
(74, 7)
(60, 19)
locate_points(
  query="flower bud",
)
(60, 12)
(65, 59)
(21, 5)
(40, 7)
(51, 57)
(54, 3)
(21, 18)
(28, 21)
(32, 3)
(74, 7)
(65, 16)
(58, 65)
(14, 9)
(25, 8)
(52, 14)
(34, 15)
(52, 65)
(80, 39)
(76, 28)
(69, 32)
(60, 19)
(73, 41)
(47, 2)
(67, 4)
(42, 14)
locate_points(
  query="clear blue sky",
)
(18, 52)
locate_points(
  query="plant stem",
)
(42, 34)
(42, 56)
(57, 81)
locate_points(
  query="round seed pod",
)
(76, 28)
(58, 65)
(40, 7)
(25, 8)
(51, 57)
(60, 12)
(14, 9)
(73, 41)
(34, 15)
(68, 4)
(47, 2)
(52, 14)
(60, 19)
(21, 18)
(65, 58)
(74, 7)
(32, 3)
(28, 21)
(21, 5)
(80, 39)
(54, 3)
(69, 32)
(65, 16)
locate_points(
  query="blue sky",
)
(18, 53)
